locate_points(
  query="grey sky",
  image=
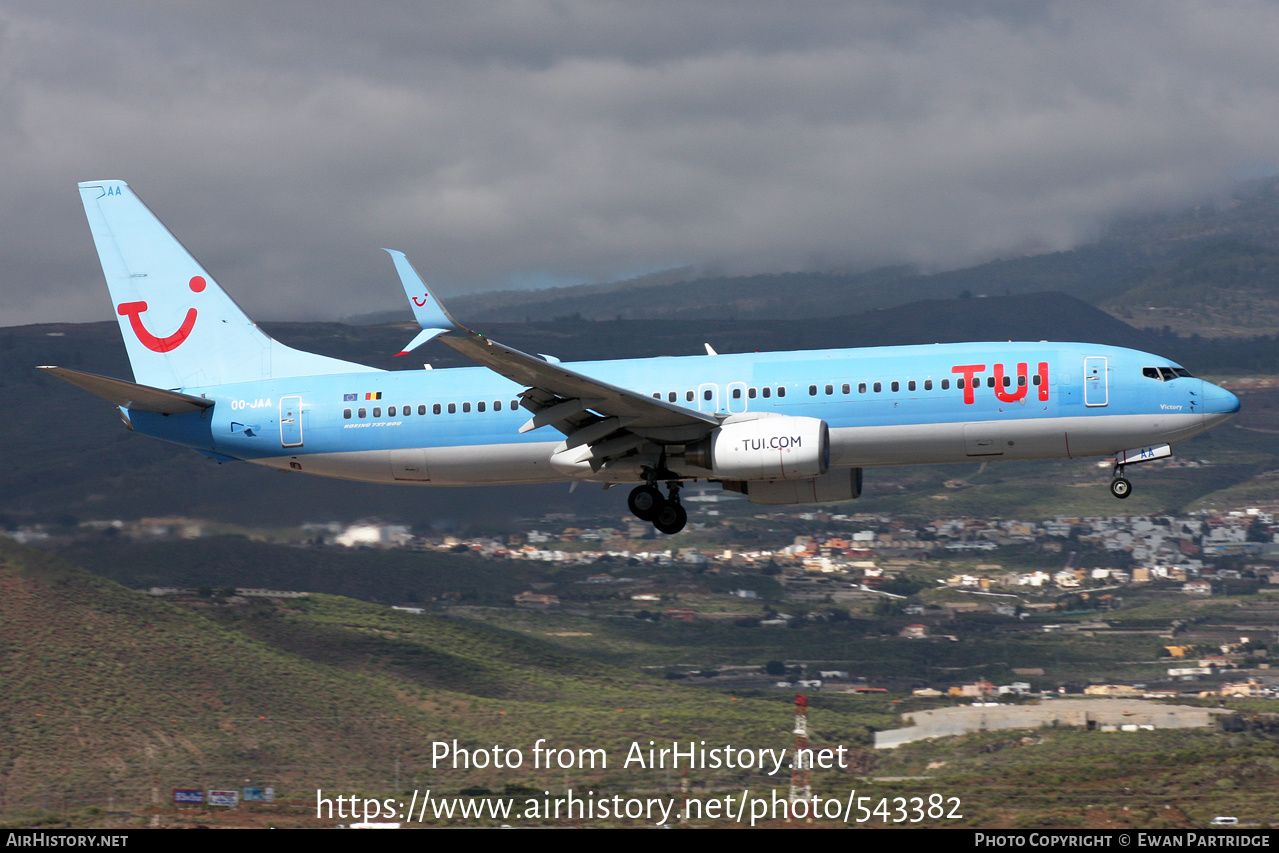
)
(505, 143)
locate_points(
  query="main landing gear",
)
(1119, 486)
(666, 513)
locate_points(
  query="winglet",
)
(430, 313)
(422, 337)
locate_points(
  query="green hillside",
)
(1225, 289)
(107, 692)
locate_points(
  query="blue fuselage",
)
(884, 406)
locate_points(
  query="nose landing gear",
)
(666, 513)
(1119, 486)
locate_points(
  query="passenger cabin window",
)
(466, 407)
(897, 386)
(928, 384)
(878, 387)
(990, 381)
(377, 411)
(435, 409)
(830, 389)
(346, 413)
(861, 387)
(497, 405)
(479, 407)
(781, 390)
(750, 393)
(688, 396)
(421, 410)
(391, 412)
(706, 395)
(945, 384)
(672, 397)
(363, 413)
(812, 390)
(768, 392)
(452, 408)
(737, 393)
(846, 388)
(910, 386)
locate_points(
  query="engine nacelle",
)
(769, 448)
(838, 484)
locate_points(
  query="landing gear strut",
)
(666, 513)
(1119, 486)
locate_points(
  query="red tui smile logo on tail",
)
(133, 310)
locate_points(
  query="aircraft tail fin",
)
(180, 328)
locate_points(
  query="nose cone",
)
(1219, 401)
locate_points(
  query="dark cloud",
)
(578, 141)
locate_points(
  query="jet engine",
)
(766, 448)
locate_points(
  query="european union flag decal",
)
(350, 398)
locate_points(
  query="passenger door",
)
(291, 421)
(1096, 383)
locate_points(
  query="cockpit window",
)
(1166, 374)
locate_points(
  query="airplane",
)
(781, 428)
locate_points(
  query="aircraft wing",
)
(605, 420)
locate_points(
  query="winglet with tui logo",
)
(432, 316)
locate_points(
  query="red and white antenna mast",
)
(801, 781)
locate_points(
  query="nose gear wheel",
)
(1119, 486)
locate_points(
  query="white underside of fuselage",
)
(851, 447)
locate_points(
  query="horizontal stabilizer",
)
(138, 397)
